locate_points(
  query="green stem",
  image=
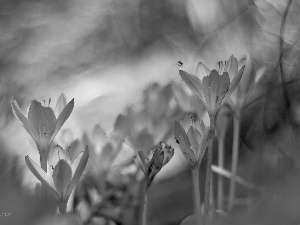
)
(197, 204)
(62, 205)
(145, 206)
(221, 165)
(43, 161)
(208, 168)
(235, 155)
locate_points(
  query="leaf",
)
(78, 172)
(63, 117)
(62, 175)
(41, 175)
(184, 144)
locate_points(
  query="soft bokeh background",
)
(105, 53)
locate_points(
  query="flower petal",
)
(42, 121)
(107, 156)
(56, 154)
(168, 152)
(20, 116)
(143, 141)
(184, 144)
(99, 137)
(194, 83)
(234, 83)
(75, 149)
(76, 162)
(190, 119)
(137, 160)
(202, 70)
(41, 175)
(206, 91)
(62, 175)
(224, 83)
(214, 89)
(60, 104)
(78, 172)
(232, 66)
(195, 138)
(63, 117)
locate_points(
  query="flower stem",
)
(221, 165)
(43, 161)
(197, 202)
(208, 168)
(235, 152)
(62, 205)
(145, 206)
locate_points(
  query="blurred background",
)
(107, 54)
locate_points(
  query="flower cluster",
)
(67, 166)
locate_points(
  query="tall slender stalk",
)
(208, 168)
(196, 188)
(43, 161)
(145, 206)
(221, 165)
(62, 205)
(235, 155)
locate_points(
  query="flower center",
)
(222, 67)
(49, 101)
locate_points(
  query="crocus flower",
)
(42, 124)
(160, 155)
(214, 87)
(191, 135)
(67, 168)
